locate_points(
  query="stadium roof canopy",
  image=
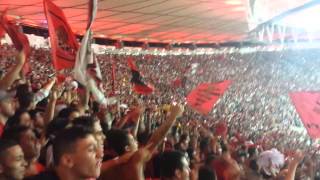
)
(165, 21)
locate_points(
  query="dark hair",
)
(206, 174)
(14, 133)
(183, 138)
(65, 113)
(55, 126)
(33, 113)
(6, 144)
(65, 142)
(117, 140)
(15, 119)
(25, 100)
(85, 121)
(22, 89)
(171, 161)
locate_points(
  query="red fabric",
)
(221, 129)
(1, 129)
(219, 166)
(2, 32)
(40, 168)
(203, 98)
(61, 78)
(308, 107)
(64, 45)
(138, 85)
(19, 39)
(131, 64)
(142, 89)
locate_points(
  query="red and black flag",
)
(19, 39)
(64, 45)
(138, 85)
(203, 98)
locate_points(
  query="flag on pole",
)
(64, 45)
(87, 69)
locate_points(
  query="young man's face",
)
(30, 144)
(87, 158)
(98, 133)
(13, 165)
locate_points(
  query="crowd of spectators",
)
(52, 130)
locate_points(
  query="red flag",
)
(203, 98)
(131, 64)
(138, 85)
(2, 32)
(64, 45)
(19, 40)
(308, 107)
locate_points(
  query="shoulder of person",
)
(47, 175)
(142, 155)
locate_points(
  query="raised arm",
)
(134, 114)
(160, 133)
(44, 92)
(297, 158)
(49, 114)
(13, 74)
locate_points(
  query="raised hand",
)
(176, 110)
(298, 157)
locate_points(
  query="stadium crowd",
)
(54, 130)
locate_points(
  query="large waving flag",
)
(203, 98)
(64, 45)
(85, 54)
(308, 107)
(19, 39)
(138, 85)
(86, 69)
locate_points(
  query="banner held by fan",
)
(18, 38)
(307, 105)
(203, 98)
(63, 42)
